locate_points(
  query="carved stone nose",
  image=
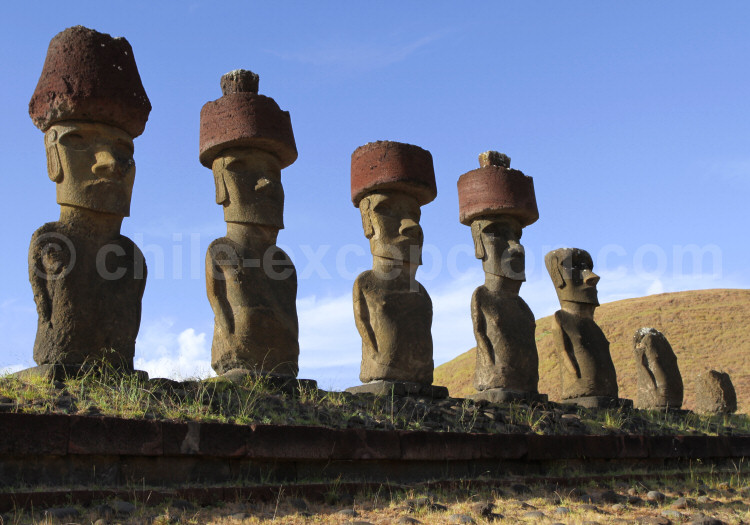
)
(590, 278)
(409, 228)
(105, 164)
(514, 247)
(262, 183)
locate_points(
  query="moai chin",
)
(498, 202)
(246, 140)
(659, 380)
(87, 278)
(390, 181)
(587, 373)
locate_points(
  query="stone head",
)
(246, 140)
(90, 104)
(389, 183)
(92, 164)
(654, 345)
(248, 186)
(390, 220)
(497, 243)
(572, 272)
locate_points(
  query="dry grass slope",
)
(706, 328)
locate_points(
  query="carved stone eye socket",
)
(74, 141)
(234, 165)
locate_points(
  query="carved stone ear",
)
(560, 281)
(476, 234)
(364, 208)
(54, 166)
(553, 263)
(222, 195)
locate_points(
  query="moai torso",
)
(88, 296)
(256, 316)
(394, 320)
(586, 366)
(659, 379)
(506, 349)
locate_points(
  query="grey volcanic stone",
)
(659, 379)
(585, 362)
(714, 393)
(655, 495)
(62, 512)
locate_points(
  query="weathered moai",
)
(714, 393)
(587, 373)
(87, 278)
(246, 140)
(659, 379)
(390, 181)
(498, 202)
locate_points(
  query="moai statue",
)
(87, 278)
(714, 393)
(497, 202)
(659, 379)
(392, 311)
(587, 373)
(246, 139)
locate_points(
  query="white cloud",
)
(357, 55)
(163, 352)
(327, 332)
(734, 171)
(12, 368)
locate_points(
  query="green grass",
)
(257, 400)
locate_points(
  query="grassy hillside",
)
(706, 328)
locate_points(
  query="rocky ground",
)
(665, 502)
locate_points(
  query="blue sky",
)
(633, 119)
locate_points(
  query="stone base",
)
(504, 395)
(599, 402)
(400, 388)
(286, 384)
(60, 372)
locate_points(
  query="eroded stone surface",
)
(91, 77)
(251, 283)
(714, 393)
(87, 278)
(507, 358)
(585, 363)
(244, 119)
(392, 310)
(659, 379)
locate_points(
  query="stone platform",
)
(60, 372)
(400, 388)
(503, 395)
(599, 402)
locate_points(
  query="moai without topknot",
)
(246, 139)
(498, 202)
(392, 310)
(587, 373)
(88, 279)
(659, 380)
(714, 393)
